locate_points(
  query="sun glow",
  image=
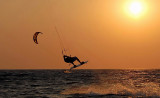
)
(136, 8)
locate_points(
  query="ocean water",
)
(79, 84)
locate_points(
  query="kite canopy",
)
(35, 37)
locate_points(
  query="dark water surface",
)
(79, 83)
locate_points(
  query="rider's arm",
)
(64, 56)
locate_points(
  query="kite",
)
(35, 37)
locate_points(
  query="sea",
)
(80, 83)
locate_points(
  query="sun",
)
(136, 8)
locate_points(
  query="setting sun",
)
(135, 8)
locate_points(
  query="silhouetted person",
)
(69, 59)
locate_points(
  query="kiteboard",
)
(81, 64)
(69, 71)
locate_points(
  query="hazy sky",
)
(101, 31)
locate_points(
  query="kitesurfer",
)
(69, 59)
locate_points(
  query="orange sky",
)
(100, 31)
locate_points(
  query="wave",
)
(148, 89)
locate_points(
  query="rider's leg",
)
(79, 60)
(75, 58)
(74, 66)
(72, 63)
